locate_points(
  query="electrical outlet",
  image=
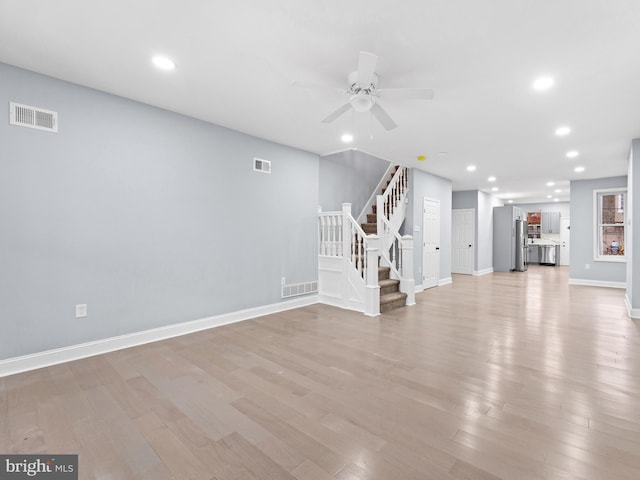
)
(283, 281)
(587, 266)
(81, 310)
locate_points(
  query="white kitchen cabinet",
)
(550, 222)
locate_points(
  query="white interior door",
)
(430, 243)
(565, 237)
(463, 231)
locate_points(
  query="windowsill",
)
(611, 259)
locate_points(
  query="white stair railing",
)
(398, 256)
(347, 262)
(396, 250)
(392, 204)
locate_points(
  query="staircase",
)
(390, 295)
(368, 267)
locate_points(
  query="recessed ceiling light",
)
(543, 83)
(347, 138)
(163, 63)
(556, 199)
(494, 189)
(562, 131)
(491, 179)
(422, 158)
(572, 154)
(550, 184)
(509, 201)
(578, 169)
(471, 168)
(558, 190)
(549, 196)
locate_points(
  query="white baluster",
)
(329, 227)
(359, 253)
(345, 233)
(338, 235)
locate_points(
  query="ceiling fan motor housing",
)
(353, 82)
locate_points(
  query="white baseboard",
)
(633, 312)
(419, 288)
(596, 283)
(445, 281)
(48, 358)
(477, 273)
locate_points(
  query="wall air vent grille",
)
(296, 289)
(260, 165)
(33, 117)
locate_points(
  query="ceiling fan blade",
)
(366, 69)
(406, 93)
(383, 117)
(337, 113)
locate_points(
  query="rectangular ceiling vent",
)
(260, 165)
(33, 117)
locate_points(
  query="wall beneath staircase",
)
(423, 184)
(349, 177)
(149, 217)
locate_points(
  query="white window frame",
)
(597, 257)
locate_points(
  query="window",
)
(609, 224)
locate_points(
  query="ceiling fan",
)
(364, 94)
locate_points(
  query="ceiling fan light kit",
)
(361, 102)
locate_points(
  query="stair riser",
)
(393, 305)
(383, 273)
(389, 289)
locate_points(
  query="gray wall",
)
(349, 177)
(423, 184)
(149, 217)
(563, 207)
(582, 229)
(465, 199)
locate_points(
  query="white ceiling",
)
(236, 62)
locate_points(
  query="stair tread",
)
(392, 297)
(388, 281)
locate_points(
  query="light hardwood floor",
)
(508, 375)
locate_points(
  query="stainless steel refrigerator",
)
(509, 239)
(521, 248)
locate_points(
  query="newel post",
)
(346, 233)
(407, 282)
(372, 289)
(320, 233)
